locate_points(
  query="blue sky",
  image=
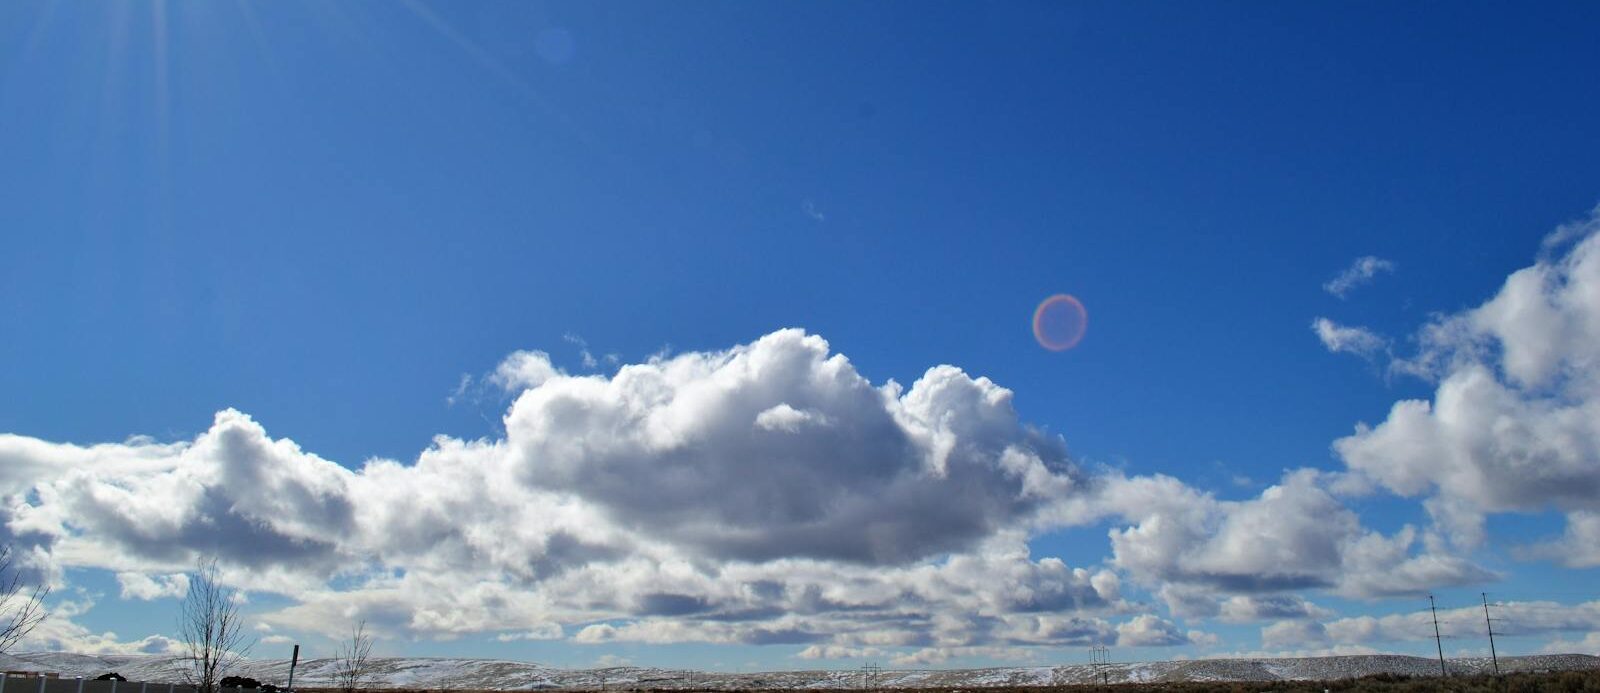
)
(341, 218)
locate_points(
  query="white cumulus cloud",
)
(1295, 536)
(148, 587)
(767, 493)
(1514, 425)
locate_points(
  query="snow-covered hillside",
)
(493, 674)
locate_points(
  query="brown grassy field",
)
(1561, 682)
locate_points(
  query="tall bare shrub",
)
(353, 663)
(211, 628)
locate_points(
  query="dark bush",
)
(111, 676)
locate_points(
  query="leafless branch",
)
(211, 627)
(21, 606)
(353, 662)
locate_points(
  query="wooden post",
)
(293, 662)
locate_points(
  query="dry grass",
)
(1561, 682)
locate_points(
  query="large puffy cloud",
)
(1514, 426)
(255, 502)
(1486, 443)
(1296, 535)
(1515, 422)
(30, 465)
(763, 494)
(1288, 538)
(767, 493)
(780, 448)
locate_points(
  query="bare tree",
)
(352, 665)
(21, 606)
(211, 627)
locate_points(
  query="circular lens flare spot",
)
(1059, 322)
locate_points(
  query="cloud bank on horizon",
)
(770, 493)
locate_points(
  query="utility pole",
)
(869, 675)
(1490, 623)
(1437, 640)
(1101, 656)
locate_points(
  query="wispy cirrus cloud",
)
(1342, 339)
(1359, 273)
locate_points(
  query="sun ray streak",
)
(257, 36)
(162, 105)
(498, 68)
(473, 49)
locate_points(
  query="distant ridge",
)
(500, 674)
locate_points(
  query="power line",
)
(1436, 639)
(1490, 623)
(1100, 655)
(869, 675)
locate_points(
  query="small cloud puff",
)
(147, 587)
(1338, 338)
(788, 419)
(1358, 273)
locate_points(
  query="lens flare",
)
(1059, 322)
